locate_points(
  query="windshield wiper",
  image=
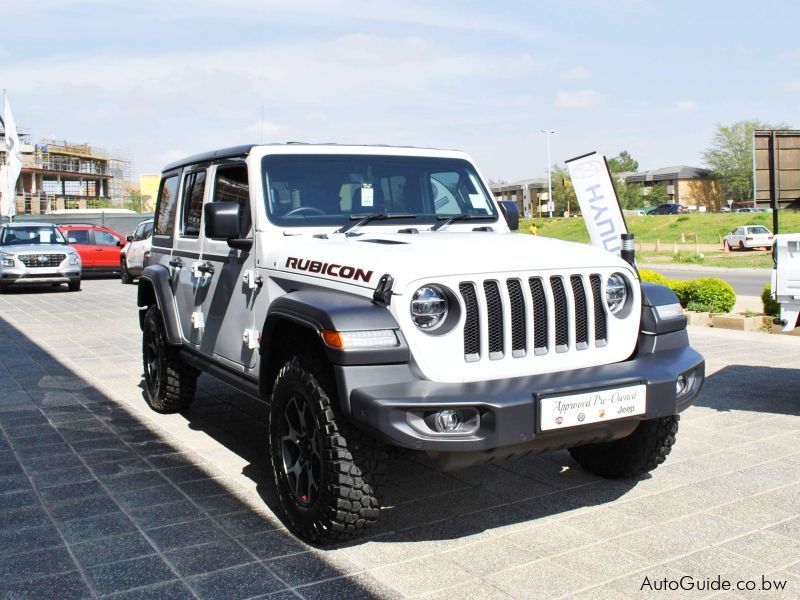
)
(361, 220)
(444, 220)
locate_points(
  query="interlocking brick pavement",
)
(101, 497)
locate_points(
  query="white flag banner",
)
(592, 183)
(13, 165)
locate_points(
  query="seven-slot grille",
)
(42, 260)
(562, 311)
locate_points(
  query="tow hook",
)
(383, 291)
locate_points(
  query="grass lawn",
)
(755, 259)
(708, 227)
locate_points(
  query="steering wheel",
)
(300, 209)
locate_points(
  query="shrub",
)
(679, 287)
(771, 307)
(652, 277)
(714, 295)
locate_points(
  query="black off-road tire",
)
(169, 383)
(642, 451)
(74, 286)
(351, 464)
(124, 276)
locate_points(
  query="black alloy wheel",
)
(301, 452)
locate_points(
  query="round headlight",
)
(616, 293)
(428, 307)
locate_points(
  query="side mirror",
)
(129, 238)
(511, 213)
(222, 220)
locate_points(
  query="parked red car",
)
(99, 247)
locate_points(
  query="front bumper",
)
(509, 408)
(29, 275)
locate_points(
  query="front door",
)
(191, 283)
(106, 249)
(230, 334)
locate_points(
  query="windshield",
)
(33, 234)
(320, 190)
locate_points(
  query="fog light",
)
(448, 420)
(681, 385)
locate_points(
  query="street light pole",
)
(550, 202)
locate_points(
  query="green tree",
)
(657, 194)
(563, 193)
(137, 201)
(623, 162)
(730, 156)
(629, 195)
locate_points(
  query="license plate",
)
(593, 406)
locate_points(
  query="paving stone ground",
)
(101, 497)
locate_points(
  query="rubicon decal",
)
(332, 269)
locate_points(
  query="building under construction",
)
(61, 175)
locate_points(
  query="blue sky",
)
(165, 79)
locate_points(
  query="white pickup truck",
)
(786, 278)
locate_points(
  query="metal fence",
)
(121, 223)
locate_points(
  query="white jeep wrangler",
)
(374, 295)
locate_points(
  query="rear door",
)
(191, 285)
(231, 295)
(133, 256)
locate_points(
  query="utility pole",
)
(550, 203)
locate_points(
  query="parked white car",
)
(750, 236)
(133, 255)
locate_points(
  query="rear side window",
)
(148, 231)
(167, 204)
(193, 191)
(103, 238)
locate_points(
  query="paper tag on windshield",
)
(366, 195)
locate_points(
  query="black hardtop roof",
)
(244, 150)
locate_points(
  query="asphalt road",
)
(745, 282)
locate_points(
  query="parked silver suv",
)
(37, 253)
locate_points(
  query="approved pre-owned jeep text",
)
(375, 296)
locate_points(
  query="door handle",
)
(206, 268)
(176, 262)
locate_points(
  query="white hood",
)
(429, 255)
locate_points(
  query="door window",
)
(138, 234)
(78, 236)
(148, 231)
(231, 185)
(193, 192)
(103, 238)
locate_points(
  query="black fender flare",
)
(155, 287)
(654, 295)
(336, 311)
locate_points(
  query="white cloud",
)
(793, 86)
(579, 99)
(578, 72)
(683, 106)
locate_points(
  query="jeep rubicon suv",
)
(375, 296)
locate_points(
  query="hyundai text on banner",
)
(595, 191)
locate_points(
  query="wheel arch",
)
(155, 288)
